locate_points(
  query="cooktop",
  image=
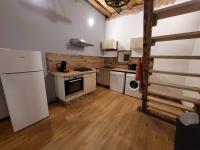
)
(82, 69)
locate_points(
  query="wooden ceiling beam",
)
(104, 11)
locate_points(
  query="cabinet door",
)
(89, 83)
(25, 97)
(103, 76)
(93, 82)
(100, 76)
(106, 77)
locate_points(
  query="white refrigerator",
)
(23, 84)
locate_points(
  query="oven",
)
(73, 85)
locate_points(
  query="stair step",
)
(166, 109)
(174, 57)
(175, 73)
(159, 114)
(178, 9)
(170, 103)
(180, 36)
(178, 98)
(189, 88)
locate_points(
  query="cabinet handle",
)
(75, 80)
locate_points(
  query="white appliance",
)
(23, 83)
(137, 47)
(136, 43)
(109, 45)
(132, 86)
(117, 81)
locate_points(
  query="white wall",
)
(46, 25)
(49, 24)
(123, 29)
(126, 27)
(194, 67)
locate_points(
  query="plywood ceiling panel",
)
(134, 6)
(103, 3)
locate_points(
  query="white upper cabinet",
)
(109, 45)
(136, 43)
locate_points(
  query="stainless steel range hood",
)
(79, 43)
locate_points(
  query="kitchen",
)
(72, 72)
(87, 71)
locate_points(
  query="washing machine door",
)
(134, 85)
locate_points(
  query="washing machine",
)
(132, 86)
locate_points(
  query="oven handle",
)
(75, 80)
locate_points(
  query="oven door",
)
(73, 86)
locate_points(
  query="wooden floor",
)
(104, 120)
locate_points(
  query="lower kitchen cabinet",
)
(71, 87)
(89, 82)
(103, 77)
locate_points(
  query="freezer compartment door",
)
(25, 97)
(12, 61)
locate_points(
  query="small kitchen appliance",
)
(62, 67)
(132, 87)
(82, 69)
(132, 67)
(73, 84)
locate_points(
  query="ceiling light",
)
(91, 21)
(116, 3)
(82, 40)
(37, 2)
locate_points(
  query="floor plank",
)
(104, 120)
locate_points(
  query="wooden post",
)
(148, 20)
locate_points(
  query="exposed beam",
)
(104, 11)
(148, 17)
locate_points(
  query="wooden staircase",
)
(166, 106)
(175, 73)
(171, 85)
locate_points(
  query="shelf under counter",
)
(73, 96)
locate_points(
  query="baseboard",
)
(5, 118)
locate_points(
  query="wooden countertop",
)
(123, 70)
(71, 73)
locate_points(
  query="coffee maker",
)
(62, 67)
